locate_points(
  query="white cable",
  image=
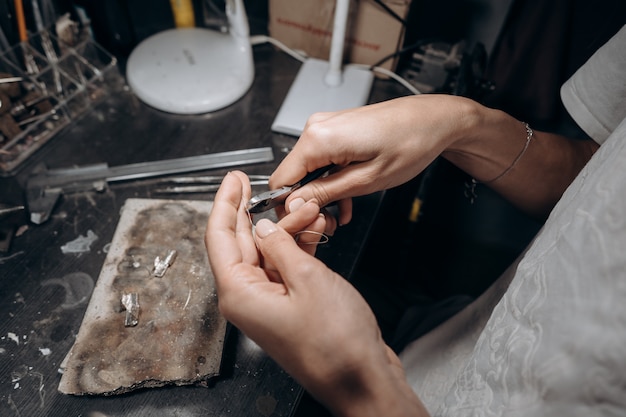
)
(390, 74)
(261, 39)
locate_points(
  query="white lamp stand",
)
(194, 70)
(324, 85)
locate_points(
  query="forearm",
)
(491, 144)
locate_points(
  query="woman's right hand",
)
(375, 147)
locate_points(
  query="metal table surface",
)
(42, 301)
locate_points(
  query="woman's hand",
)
(377, 147)
(309, 319)
(383, 145)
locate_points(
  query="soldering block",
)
(177, 335)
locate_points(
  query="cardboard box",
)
(372, 32)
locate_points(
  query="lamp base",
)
(190, 70)
(310, 94)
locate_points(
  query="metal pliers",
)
(270, 199)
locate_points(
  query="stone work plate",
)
(179, 334)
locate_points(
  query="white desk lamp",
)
(194, 70)
(324, 85)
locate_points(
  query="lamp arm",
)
(334, 75)
(237, 19)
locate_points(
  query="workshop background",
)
(512, 55)
(519, 51)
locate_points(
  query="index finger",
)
(228, 236)
(309, 153)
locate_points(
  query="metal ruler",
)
(43, 189)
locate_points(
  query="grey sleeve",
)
(595, 96)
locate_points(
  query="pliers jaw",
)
(268, 200)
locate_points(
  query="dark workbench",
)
(44, 292)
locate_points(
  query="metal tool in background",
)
(64, 72)
(7, 210)
(270, 199)
(7, 225)
(20, 105)
(29, 60)
(43, 189)
(202, 184)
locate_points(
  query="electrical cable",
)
(391, 12)
(404, 50)
(390, 74)
(261, 39)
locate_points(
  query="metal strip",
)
(189, 164)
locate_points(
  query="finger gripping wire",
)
(323, 237)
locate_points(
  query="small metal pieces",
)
(160, 266)
(81, 244)
(8, 127)
(130, 302)
(20, 108)
(31, 104)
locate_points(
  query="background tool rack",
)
(59, 82)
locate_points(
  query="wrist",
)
(471, 120)
(372, 391)
(488, 142)
(452, 125)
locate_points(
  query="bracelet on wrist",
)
(470, 188)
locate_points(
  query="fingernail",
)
(295, 204)
(264, 228)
